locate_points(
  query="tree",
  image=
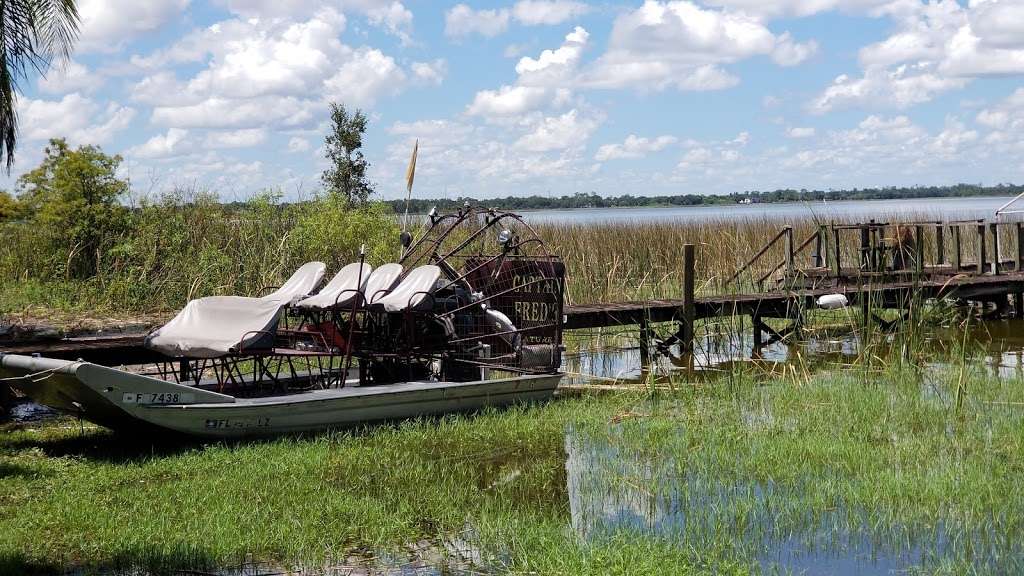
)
(9, 208)
(32, 34)
(74, 196)
(346, 176)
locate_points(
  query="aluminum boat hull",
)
(122, 400)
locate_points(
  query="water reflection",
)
(997, 346)
(614, 489)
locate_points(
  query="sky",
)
(545, 97)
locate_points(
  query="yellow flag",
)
(410, 174)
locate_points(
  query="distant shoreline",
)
(778, 203)
(777, 197)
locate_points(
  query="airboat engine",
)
(495, 306)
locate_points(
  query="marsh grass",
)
(883, 456)
(185, 245)
(615, 261)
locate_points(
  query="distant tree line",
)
(592, 200)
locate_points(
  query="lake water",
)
(919, 208)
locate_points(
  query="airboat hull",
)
(123, 401)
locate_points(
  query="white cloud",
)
(391, 15)
(245, 138)
(766, 9)
(547, 12)
(69, 76)
(900, 88)
(507, 101)
(554, 66)
(954, 137)
(167, 145)
(799, 132)
(681, 44)
(790, 53)
(224, 113)
(296, 144)
(937, 46)
(273, 71)
(568, 130)
(461, 20)
(541, 81)
(77, 118)
(108, 24)
(366, 76)
(431, 73)
(634, 147)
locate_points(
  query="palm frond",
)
(32, 34)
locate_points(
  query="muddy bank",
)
(26, 329)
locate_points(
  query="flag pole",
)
(410, 175)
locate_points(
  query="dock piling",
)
(995, 248)
(957, 252)
(980, 266)
(689, 300)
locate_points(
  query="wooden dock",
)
(873, 283)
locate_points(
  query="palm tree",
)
(32, 34)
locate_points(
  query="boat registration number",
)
(158, 398)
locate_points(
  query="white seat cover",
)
(342, 289)
(214, 326)
(302, 282)
(412, 290)
(382, 280)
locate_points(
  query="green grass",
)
(883, 455)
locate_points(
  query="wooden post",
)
(919, 249)
(995, 248)
(940, 244)
(689, 302)
(823, 249)
(1018, 300)
(1020, 247)
(837, 265)
(980, 266)
(865, 247)
(789, 253)
(819, 245)
(756, 321)
(958, 252)
(645, 344)
(876, 257)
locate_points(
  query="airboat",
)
(470, 316)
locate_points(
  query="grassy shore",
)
(715, 477)
(161, 268)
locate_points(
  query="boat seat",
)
(412, 292)
(342, 290)
(220, 325)
(382, 281)
(300, 285)
(217, 326)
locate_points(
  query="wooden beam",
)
(836, 258)
(980, 265)
(957, 249)
(995, 248)
(689, 298)
(919, 250)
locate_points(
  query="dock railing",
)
(874, 251)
